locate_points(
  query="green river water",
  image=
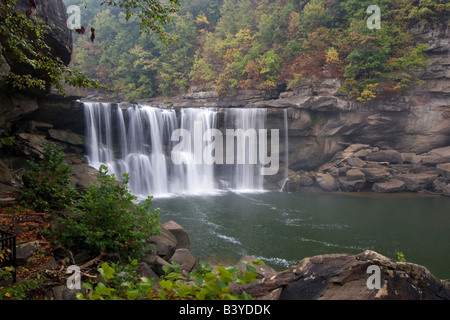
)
(282, 228)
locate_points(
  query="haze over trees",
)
(247, 44)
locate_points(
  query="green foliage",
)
(121, 283)
(242, 44)
(47, 184)
(17, 291)
(401, 257)
(153, 14)
(105, 218)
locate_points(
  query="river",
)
(282, 228)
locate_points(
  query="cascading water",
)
(246, 172)
(138, 141)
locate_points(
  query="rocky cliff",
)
(406, 136)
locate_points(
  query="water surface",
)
(283, 228)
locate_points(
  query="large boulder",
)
(165, 243)
(350, 185)
(354, 277)
(416, 181)
(185, 258)
(326, 181)
(179, 233)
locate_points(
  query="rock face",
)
(53, 13)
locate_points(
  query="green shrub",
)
(106, 218)
(47, 183)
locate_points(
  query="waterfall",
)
(139, 141)
(246, 169)
(286, 150)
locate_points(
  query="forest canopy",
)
(247, 44)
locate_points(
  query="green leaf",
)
(165, 284)
(106, 271)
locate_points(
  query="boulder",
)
(165, 243)
(444, 153)
(354, 277)
(25, 251)
(179, 233)
(144, 270)
(356, 162)
(326, 181)
(376, 174)
(82, 176)
(389, 186)
(351, 185)
(410, 158)
(417, 181)
(356, 147)
(185, 258)
(444, 170)
(389, 156)
(363, 153)
(355, 174)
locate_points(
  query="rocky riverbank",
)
(364, 276)
(361, 167)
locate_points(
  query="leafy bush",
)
(106, 218)
(47, 184)
(120, 283)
